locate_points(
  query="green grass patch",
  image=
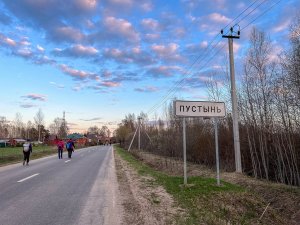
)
(10, 155)
(204, 201)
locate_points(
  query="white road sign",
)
(199, 109)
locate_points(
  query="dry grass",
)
(284, 207)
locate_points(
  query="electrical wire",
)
(267, 10)
(180, 82)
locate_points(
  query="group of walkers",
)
(70, 146)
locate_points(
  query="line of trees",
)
(269, 110)
(35, 131)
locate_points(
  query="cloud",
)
(110, 84)
(27, 105)
(91, 119)
(167, 52)
(24, 52)
(40, 48)
(163, 71)
(60, 86)
(6, 41)
(120, 28)
(151, 37)
(66, 34)
(121, 5)
(77, 51)
(40, 60)
(147, 89)
(284, 25)
(150, 24)
(77, 74)
(134, 55)
(60, 20)
(218, 18)
(35, 97)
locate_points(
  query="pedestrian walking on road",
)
(70, 147)
(27, 149)
(60, 148)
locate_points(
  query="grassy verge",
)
(11, 155)
(204, 201)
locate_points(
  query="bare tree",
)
(39, 121)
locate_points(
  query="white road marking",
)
(28, 177)
(67, 161)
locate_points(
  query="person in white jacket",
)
(27, 149)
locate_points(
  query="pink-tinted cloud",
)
(6, 41)
(164, 71)
(167, 52)
(86, 4)
(121, 28)
(78, 74)
(33, 96)
(77, 51)
(110, 84)
(67, 33)
(134, 55)
(150, 24)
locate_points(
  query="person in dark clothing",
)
(27, 149)
(70, 147)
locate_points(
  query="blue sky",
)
(99, 60)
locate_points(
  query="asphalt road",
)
(54, 191)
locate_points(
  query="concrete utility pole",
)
(139, 118)
(236, 135)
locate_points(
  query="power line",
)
(179, 83)
(267, 10)
(241, 13)
(251, 11)
(183, 80)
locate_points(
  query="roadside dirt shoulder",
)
(143, 201)
(283, 199)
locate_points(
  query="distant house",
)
(51, 140)
(79, 139)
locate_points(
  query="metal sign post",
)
(184, 151)
(217, 151)
(200, 109)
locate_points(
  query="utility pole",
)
(139, 118)
(236, 135)
(64, 125)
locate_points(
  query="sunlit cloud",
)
(38, 97)
(78, 74)
(150, 24)
(91, 119)
(77, 51)
(147, 89)
(218, 18)
(121, 28)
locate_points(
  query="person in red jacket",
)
(60, 147)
